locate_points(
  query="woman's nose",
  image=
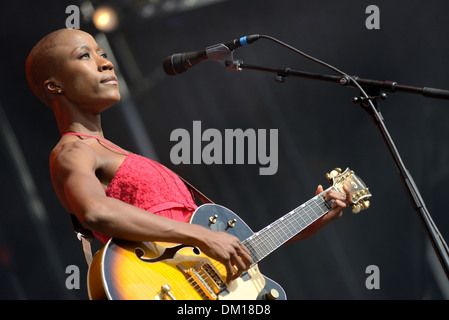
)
(105, 64)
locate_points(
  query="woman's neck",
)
(78, 122)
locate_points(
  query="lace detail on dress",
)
(150, 186)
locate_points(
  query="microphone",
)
(180, 62)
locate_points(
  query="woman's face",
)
(84, 74)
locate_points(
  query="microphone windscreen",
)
(173, 65)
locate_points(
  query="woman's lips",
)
(109, 80)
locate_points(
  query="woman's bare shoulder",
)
(71, 155)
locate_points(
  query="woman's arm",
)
(73, 173)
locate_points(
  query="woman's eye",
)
(87, 55)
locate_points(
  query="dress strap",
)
(99, 139)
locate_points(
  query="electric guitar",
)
(127, 270)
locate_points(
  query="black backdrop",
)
(318, 127)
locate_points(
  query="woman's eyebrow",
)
(86, 47)
(81, 47)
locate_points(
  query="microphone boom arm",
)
(388, 86)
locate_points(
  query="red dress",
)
(148, 185)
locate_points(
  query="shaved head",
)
(43, 61)
(68, 68)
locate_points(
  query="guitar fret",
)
(295, 226)
(273, 232)
(302, 223)
(282, 228)
(262, 243)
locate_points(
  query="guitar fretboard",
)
(262, 243)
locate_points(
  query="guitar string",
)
(262, 246)
(262, 242)
(191, 282)
(269, 239)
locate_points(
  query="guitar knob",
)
(231, 224)
(273, 294)
(213, 219)
(165, 291)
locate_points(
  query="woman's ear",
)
(51, 87)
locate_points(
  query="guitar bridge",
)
(206, 278)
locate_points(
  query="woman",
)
(112, 192)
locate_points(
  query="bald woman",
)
(111, 191)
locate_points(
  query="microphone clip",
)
(221, 54)
(363, 101)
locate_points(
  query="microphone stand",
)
(369, 104)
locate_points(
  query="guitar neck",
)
(262, 243)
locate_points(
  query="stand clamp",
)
(363, 101)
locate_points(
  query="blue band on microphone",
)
(243, 41)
